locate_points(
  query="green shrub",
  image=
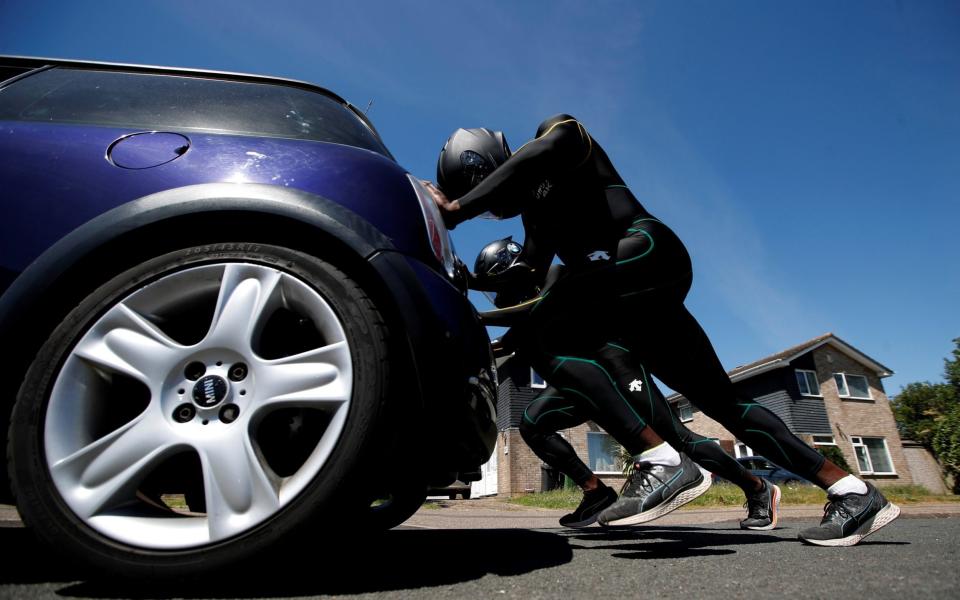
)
(946, 445)
(835, 455)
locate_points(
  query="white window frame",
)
(589, 433)
(806, 380)
(747, 449)
(538, 386)
(832, 441)
(846, 386)
(857, 442)
(680, 408)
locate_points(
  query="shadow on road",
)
(651, 543)
(671, 542)
(396, 560)
(403, 559)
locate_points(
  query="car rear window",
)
(156, 101)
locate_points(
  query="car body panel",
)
(70, 210)
(61, 178)
(761, 467)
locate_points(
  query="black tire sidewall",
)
(338, 484)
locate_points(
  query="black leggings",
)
(602, 330)
(586, 390)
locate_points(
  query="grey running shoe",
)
(849, 518)
(652, 491)
(592, 505)
(762, 508)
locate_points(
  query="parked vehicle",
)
(457, 488)
(223, 305)
(761, 467)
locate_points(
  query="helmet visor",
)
(475, 168)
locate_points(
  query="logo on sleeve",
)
(599, 255)
(543, 189)
(636, 385)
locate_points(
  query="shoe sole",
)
(775, 512)
(590, 520)
(883, 517)
(581, 524)
(667, 507)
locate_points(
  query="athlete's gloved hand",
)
(448, 208)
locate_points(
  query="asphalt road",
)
(911, 558)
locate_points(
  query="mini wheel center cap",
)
(209, 391)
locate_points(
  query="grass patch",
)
(906, 494)
(175, 501)
(567, 499)
(727, 494)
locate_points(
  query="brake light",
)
(437, 234)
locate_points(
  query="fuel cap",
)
(147, 149)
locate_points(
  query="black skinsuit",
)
(617, 316)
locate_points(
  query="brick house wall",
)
(504, 462)
(849, 417)
(923, 467)
(525, 473)
(707, 427)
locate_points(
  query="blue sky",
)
(808, 153)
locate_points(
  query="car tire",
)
(466, 495)
(400, 503)
(110, 421)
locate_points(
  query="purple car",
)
(227, 315)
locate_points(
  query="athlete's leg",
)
(635, 384)
(679, 353)
(653, 272)
(546, 415)
(543, 418)
(606, 377)
(682, 356)
(563, 341)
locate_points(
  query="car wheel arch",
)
(207, 214)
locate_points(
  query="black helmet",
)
(501, 269)
(468, 156)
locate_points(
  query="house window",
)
(603, 453)
(807, 381)
(852, 386)
(872, 455)
(536, 381)
(823, 440)
(684, 411)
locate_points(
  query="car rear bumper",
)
(453, 364)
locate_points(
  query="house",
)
(828, 393)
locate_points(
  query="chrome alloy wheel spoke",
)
(247, 292)
(239, 491)
(109, 469)
(99, 460)
(123, 342)
(318, 378)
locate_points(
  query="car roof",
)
(14, 67)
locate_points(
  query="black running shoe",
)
(652, 491)
(592, 504)
(762, 508)
(849, 518)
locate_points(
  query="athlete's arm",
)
(537, 252)
(562, 144)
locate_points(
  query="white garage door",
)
(487, 486)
